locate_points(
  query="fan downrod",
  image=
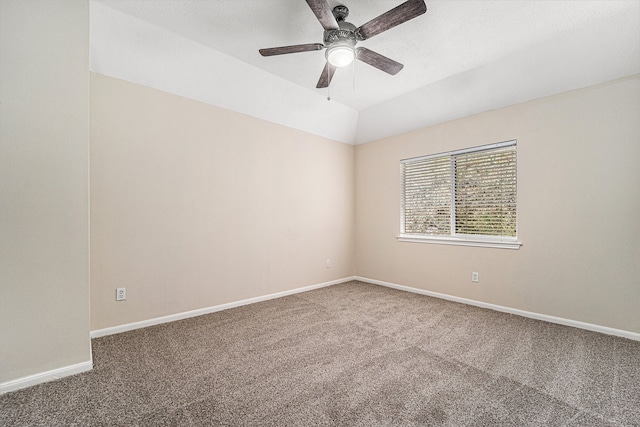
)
(340, 12)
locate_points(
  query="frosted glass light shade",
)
(341, 56)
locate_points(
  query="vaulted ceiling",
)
(460, 57)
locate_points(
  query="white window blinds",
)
(485, 192)
(462, 193)
(427, 196)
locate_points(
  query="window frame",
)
(503, 242)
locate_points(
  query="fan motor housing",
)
(344, 35)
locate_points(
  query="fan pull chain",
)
(353, 73)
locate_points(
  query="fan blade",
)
(326, 76)
(323, 12)
(396, 16)
(379, 61)
(291, 49)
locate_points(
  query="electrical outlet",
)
(327, 263)
(121, 294)
(475, 277)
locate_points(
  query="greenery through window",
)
(464, 193)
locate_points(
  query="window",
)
(465, 197)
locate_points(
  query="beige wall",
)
(194, 206)
(44, 200)
(578, 209)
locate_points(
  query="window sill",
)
(480, 242)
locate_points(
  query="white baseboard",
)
(44, 377)
(193, 313)
(559, 320)
(88, 365)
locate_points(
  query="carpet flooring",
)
(352, 354)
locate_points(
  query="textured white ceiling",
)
(452, 44)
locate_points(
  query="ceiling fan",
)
(340, 37)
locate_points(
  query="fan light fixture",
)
(340, 56)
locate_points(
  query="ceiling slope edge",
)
(134, 50)
(606, 53)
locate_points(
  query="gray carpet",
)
(352, 354)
